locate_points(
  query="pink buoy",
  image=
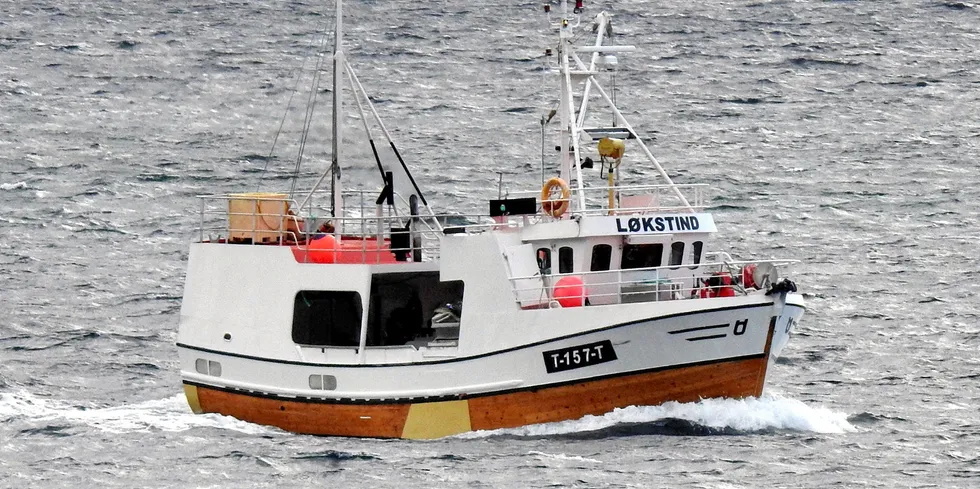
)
(323, 249)
(569, 292)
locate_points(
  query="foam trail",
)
(13, 186)
(170, 414)
(770, 412)
(561, 457)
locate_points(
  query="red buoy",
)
(569, 292)
(323, 249)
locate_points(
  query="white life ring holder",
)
(555, 207)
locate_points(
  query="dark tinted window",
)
(327, 318)
(565, 262)
(407, 307)
(642, 256)
(696, 248)
(676, 253)
(544, 260)
(601, 255)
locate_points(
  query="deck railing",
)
(632, 199)
(653, 284)
(368, 231)
(274, 219)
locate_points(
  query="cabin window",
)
(327, 318)
(544, 260)
(601, 256)
(413, 308)
(696, 248)
(565, 262)
(642, 256)
(676, 254)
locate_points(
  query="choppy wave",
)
(769, 413)
(169, 414)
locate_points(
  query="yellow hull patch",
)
(437, 419)
(190, 392)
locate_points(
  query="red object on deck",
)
(726, 291)
(570, 292)
(748, 274)
(322, 249)
(719, 285)
(351, 250)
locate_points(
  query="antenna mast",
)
(336, 190)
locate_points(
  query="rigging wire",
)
(310, 108)
(285, 114)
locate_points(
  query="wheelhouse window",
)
(565, 261)
(544, 260)
(327, 318)
(696, 248)
(414, 308)
(642, 256)
(601, 256)
(676, 254)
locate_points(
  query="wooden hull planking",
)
(727, 379)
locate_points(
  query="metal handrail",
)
(661, 192)
(663, 278)
(256, 223)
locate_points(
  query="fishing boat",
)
(361, 311)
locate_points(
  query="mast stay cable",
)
(285, 114)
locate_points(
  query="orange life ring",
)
(555, 207)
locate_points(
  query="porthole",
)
(207, 367)
(323, 382)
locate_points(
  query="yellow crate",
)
(258, 216)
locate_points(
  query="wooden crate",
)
(257, 216)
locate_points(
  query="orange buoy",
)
(569, 292)
(323, 249)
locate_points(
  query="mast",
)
(336, 190)
(572, 120)
(569, 128)
(565, 102)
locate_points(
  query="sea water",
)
(843, 134)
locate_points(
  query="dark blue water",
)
(844, 134)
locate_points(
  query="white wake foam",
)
(13, 186)
(170, 414)
(173, 414)
(743, 415)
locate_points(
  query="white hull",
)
(258, 359)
